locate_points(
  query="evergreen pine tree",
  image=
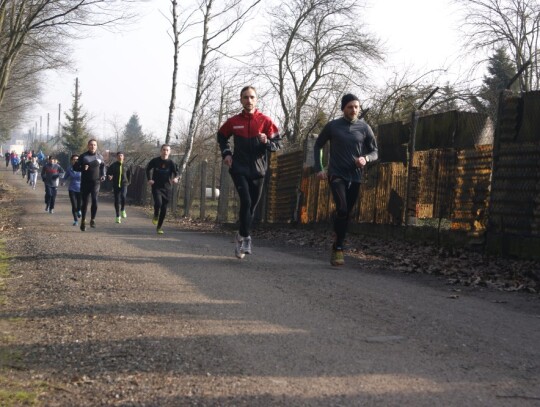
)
(133, 136)
(500, 70)
(75, 134)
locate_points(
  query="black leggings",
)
(161, 200)
(50, 196)
(75, 199)
(119, 199)
(87, 190)
(249, 192)
(345, 196)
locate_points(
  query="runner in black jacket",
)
(352, 146)
(120, 177)
(160, 172)
(92, 169)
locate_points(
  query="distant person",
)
(32, 167)
(15, 163)
(74, 189)
(254, 135)
(92, 168)
(7, 156)
(161, 172)
(120, 177)
(41, 158)
(50, 174)
(23, 165)
(352, 146)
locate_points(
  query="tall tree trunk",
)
(198, 92)
(172, 104)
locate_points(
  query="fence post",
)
(223, 202)
(412, 148)
(202, 207)
(187, 192)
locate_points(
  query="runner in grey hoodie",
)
(352, 146)
(50, 174)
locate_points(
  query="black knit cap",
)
(349, 97)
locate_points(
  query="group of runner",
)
(352, 146)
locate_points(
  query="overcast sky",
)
(130, 72)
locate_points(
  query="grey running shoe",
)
(92, 223)
(246, 245)
(238, 243)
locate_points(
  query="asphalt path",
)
(280, 327)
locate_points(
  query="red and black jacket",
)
(250, 156)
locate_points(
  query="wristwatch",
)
(366, 158)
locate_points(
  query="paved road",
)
(120, 316)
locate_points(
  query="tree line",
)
(311, 52)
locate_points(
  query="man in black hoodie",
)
(120, 177)
(92, 168)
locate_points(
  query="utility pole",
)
(59, 110)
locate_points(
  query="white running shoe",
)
(246, 245)
(238, 243)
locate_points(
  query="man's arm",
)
(223, 140)
(370, 144)
(78, 164)
(149, 168)
(323, 137)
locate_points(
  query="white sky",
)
(130, 72)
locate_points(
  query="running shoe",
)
(51, 210)
(155, 220)
(79, 214)
(83, 226)
(118, 219)
(159, 231)
(337, 258)
(46, 209)
(124, 214)
(238, 243)
(75, 223)
(92, 223)
(246, 245)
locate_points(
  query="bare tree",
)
(513, 25)
(176, 43)
(38, 29)
(117, 129)
(218, 28)
(311, 43)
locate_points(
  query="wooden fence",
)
(488, 191)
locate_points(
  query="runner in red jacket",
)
(254, 135)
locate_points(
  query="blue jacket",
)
(75, 181)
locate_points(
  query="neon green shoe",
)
(337, 258)
(160, 231)
(118, 219)
(124, 214)
(155, 220)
